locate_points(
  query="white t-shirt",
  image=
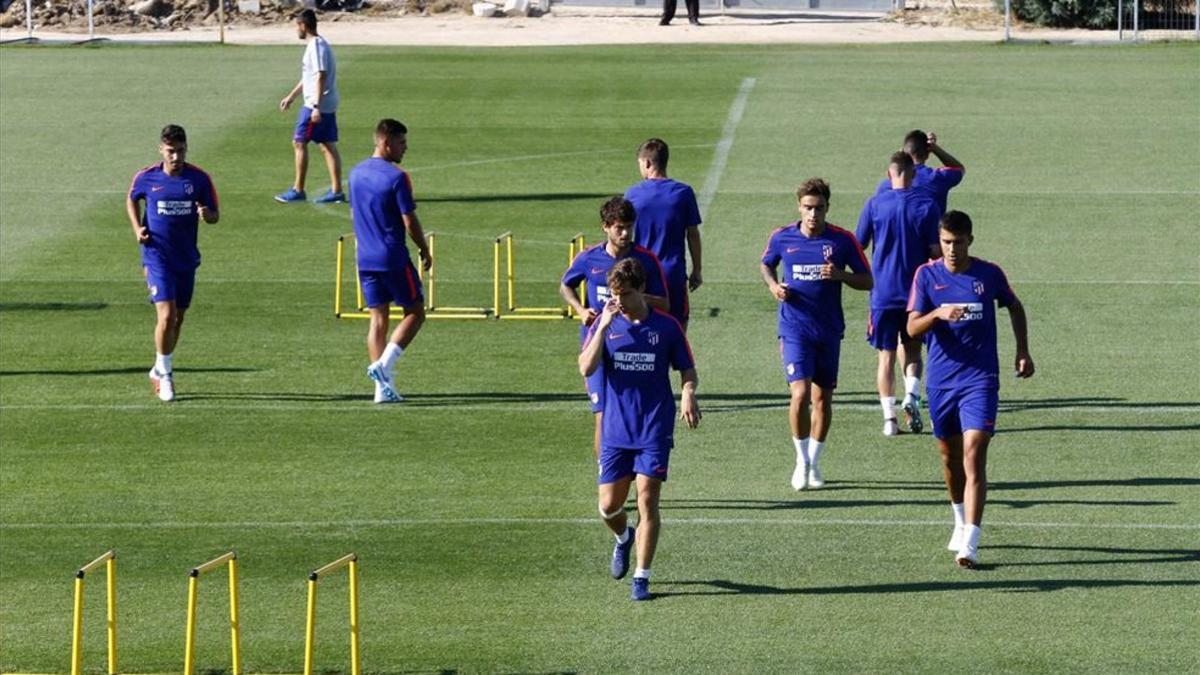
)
(318, 58)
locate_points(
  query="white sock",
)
(911, 387)
(960, 515)
(888, 403)
(640, 573)
(801, 450)
(162, 363)
(391, 354)
(971, 536)
(814, 451)
(623, 537)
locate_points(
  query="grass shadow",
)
(726, 587)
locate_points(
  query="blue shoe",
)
(641, 589)
(292, 195)
(331, 197)
(620, 558)
(385, 390)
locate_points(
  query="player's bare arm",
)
(209, 215)
(689, 409)
(590, 356)
(571, 297)
(778, 290)
(140, 231)
(920, 324)
(316, 113)
(696, 279)
(1023, 364)
(861, 281)
(944, 157)
(286, 101)
(413, 225)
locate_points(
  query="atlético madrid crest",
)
(827, 251)
(652, 337)
(188, 189)
(978, 286)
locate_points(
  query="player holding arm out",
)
(953, 305)
(938, 182)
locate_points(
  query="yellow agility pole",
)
(337, 277)
(310, 625)
(189, 654)
(109, 560)
(574, 248)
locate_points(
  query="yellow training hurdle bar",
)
(189, 654)
(503, 247)
(109, 560)
(310, 625)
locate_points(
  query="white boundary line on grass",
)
(422, 522)
(713, 179)
(567, 406)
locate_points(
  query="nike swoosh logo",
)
(156, 188)
(793, 249)
(614, 336)
(597, 270)
(941, 287)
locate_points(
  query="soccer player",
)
(901, 227)
(317, 120)
(178, 195)
(383, 209)
(636, 346)
(937, 182)
(617, 217)
(668, 222)
(953, 305)
(815, 255)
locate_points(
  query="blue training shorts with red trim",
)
(886, 328)
(166, 285)
(618, 463)
(325, 131)
(805, 358)
(952, 411)
(399, 287)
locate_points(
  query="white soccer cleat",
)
(800, 477)
(815, 479)
(967, 556)
(890, 428)
(382, 397)
(164, 387)
(957, 539)
(385, 388)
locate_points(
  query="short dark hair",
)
(627, 274)
(902, 161)
(916, 143)
(813, 187)
(389, 127)
(173, 133)
(617, 209)
(956, 222)
(656, 151)
(308, 17)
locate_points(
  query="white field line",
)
(713, 180)
(591, 522)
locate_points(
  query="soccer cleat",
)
(890, 428)
(800, 477)
(291, 196)
(385, 389)
(641, 589)
(912, 415)
(815, 480)
(164, 387)
(967, 557)
(331, 197)
(956, 539)
(620, 556)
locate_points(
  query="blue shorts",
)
(677, 294)
(953, 411)
(166, 285)
(618, 463)
(805, 358)
(402, 288)
(595, 389)
(306, 131)
(886, 328)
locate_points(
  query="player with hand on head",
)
(617, 217)
(636, 347)
(900, 226)
(317, 119)
(178, 196)
(668, 224)
(382, 205)
(814, 256)
(937, 182)
(953, 305)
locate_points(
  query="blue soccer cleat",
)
(641, 589)
(912, 415)
(385, 389)
(331, 197)
(291, 196)
(620, 557)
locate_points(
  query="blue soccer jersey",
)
(593, 265)
(638, 357)
(380, 194)
(172, 215)
(814, 306)
(936, 182)
(666, 209)
(900, 226)
(963, 353)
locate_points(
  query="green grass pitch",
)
(472, 507)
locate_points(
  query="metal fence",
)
(1158, 20)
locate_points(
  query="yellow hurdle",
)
(310, 626)
(511, 309)
(574, 248)
(189, 654)
(109, 560)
